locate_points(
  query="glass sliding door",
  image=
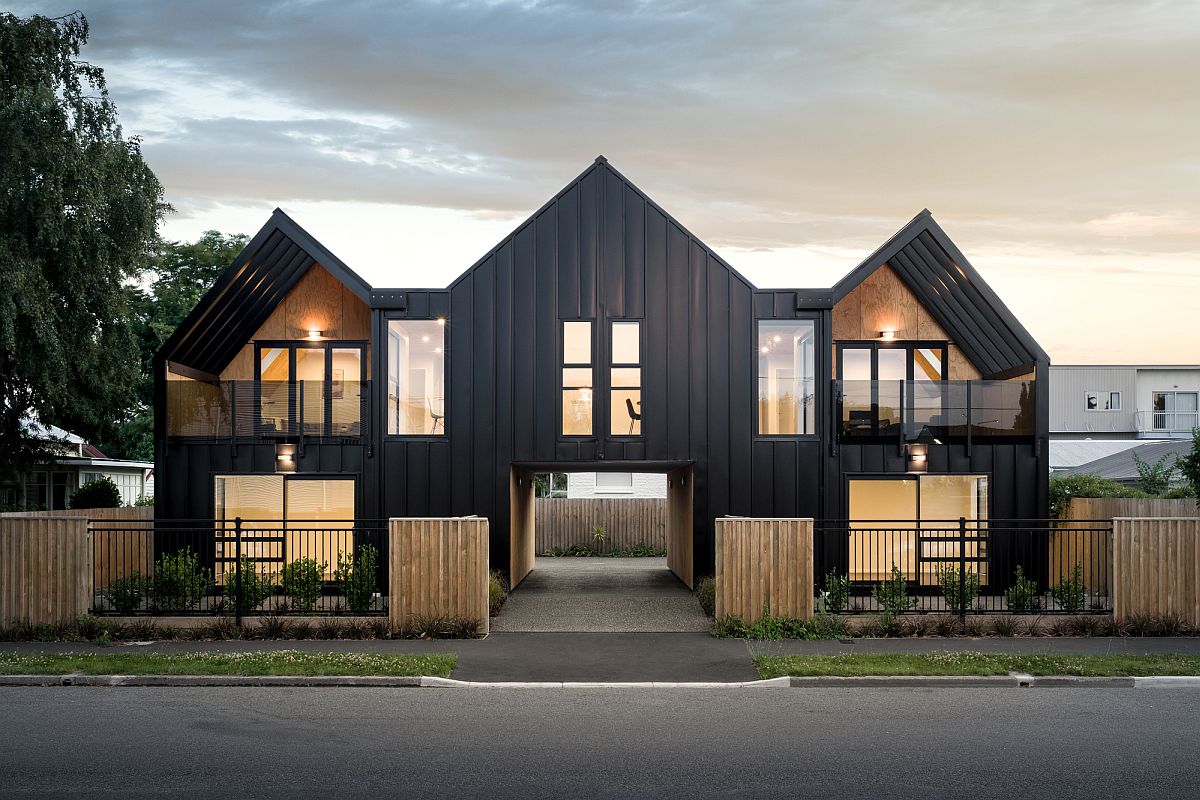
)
(320, 514)
(883, 516)
(310, 392)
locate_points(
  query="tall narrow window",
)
(786, 376)
(577, 379)
(625, 389)
(416, 378)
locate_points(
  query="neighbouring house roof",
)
(77, 451)
(1121, 467)
(955, 295)
(1068, 453)
(242, 299)
(106, 463)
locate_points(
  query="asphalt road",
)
(497, 743)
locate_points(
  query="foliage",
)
(302, 581)
(497, 592)
(1070, 592)
(246, 588)
(837, 592)
(598, 535)
(966, 663)
(78, 212)
(126, 592)
(357, 577)
(182, 273)
(1065, 487)
(769, 626)
(892, 594)
(1189, 463)
(1022, 596)
(1180, 493)
(1155, 479)
(639, 550)
(144, 500)
(277, 662)
(439, 628)
(179, 581)
(98, 493)
(706, 594)
(959, 597)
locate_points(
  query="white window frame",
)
(622, 489)
(1095, 396)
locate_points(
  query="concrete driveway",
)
(611, 595)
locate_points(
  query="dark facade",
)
(602, 251)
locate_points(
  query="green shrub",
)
(100, 493)
(1155, 479)
(1069, 593)
(1022, 596)
(497, 592)
(837, 592)
(179, 581)
(245, 589)
(1189, 463)
(302, 581)
(959, 597)
(771, 627)
(144, 500)
(1184, 492)
(126, 592)
(706, 593)
(1065, 487)
(356, 577)
(598, 536)
(892, 594)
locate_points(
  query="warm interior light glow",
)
(441, 320)
(764, 349)
(424, 338)
(315, 333)
(887, 335)
(437, 350)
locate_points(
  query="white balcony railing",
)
(1167, 421)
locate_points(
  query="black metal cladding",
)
(601, 250)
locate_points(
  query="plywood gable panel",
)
(318, 300)
(883, 302)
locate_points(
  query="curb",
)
(430, 682)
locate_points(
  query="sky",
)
(1057, 143)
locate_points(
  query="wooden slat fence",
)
(438, 568)
(1075, 544)
(764, 564)
(1156, 568)
(45, 569)
(127, 545)
(562, 522)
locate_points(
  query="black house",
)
(602, 335)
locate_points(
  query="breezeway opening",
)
(597, 593)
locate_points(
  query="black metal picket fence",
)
(964, 566)
(239, 567)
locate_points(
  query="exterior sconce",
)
(917, 457)
(315, 334)
(888, 336)
(285, 458)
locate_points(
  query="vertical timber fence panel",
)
(562, 522)
(439, 568)
(47, 569)
(1156, 568)
(1079, 540)
(764, 564)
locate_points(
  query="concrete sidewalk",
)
(638, 657)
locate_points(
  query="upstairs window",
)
(1102, 401)
(313, 388)
(625, 387)
(416, 373)
(786, 377)
(577, 378)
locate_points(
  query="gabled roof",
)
(240, 301)
(955, 295)
(1121, 466)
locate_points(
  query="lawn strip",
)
(280, 662)
(887, 664)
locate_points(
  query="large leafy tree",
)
(181, 273)
(78, 213)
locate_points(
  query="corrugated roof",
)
(955, 295)
(1120, 466)
(1067, 453)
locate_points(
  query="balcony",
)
(1166, 424)
(912, 411)
(267, 410)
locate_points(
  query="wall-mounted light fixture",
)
(888, 335)
(917, 456)
(441, 320)
(285, 458)
(315, 334)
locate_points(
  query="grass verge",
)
(281, 662)
(885, 664)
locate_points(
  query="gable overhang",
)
(244, 296)
(956, 296)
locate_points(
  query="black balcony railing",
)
(230, 410)
(926, 410)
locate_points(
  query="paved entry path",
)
(605, 595)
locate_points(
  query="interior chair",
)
(634, 416)
(438, 419)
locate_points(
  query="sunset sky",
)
(1057, 143)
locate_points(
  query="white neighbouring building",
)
(1115, 402)
(616, 484)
